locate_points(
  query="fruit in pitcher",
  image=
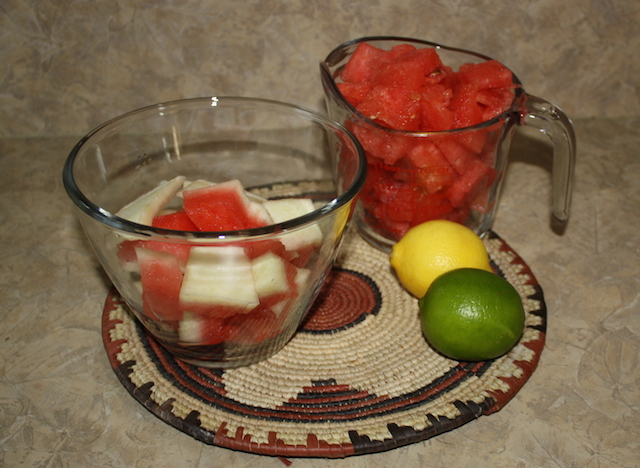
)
(415, 179)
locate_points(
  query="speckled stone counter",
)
(60, 402)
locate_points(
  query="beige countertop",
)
(62, 405)
(67, 66)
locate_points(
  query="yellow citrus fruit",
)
(435, 247)
(472, 315)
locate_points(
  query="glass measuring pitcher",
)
(456, 174)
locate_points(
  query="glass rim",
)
(339, 53)
(98, 213)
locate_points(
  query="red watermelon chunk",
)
(488, 74)
(464, 106)
(457, 155)
(177, 249)
(223, 207)
(196, 329)
(477, 179)
(399, 50)
(430, 207)
(494, 101)
(253, 328)
(410, 70)
(392, 107)
(354, 93)
(435, 112)
(380, 146)
(161, 278)
(364, 63)
(433, 171)
(178, 221)
(257, 248)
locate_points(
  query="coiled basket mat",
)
(357, 378)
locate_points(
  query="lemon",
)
(435, 247)
(472, 315)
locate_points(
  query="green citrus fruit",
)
(435, 247)
(470, 314)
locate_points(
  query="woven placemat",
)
(357, 378)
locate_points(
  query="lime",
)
(472, 315)
(435, 247)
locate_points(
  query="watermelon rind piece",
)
(285, 209)
(143, 209)
(219, 275)
(269, 275)
(190, 328)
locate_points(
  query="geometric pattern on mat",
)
(357, 378)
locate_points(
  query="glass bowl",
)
(217, 297)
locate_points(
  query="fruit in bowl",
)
(217, 219)
(211, 294)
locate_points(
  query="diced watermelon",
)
(127, 254)
(257, 248)
(433, 170)
(364, 63)
(212, 294)
(430, 207)
(399, 50)
(178, 221)
(488, 74)
(435, 114)
(269, 275)
(415, 179)
(177, 249)
(477, 178)
(195, 329)
(465, 107)
(354, 93)
(494, 101)
(409, 70)
(248, 329)
(302, 256)
(457, 155)
(426, 154)
(401, 208)
(458, 214)
(473, 141)
(392, 107)
(161, 278)
(223, 207)
(275, 279)
(380, 146)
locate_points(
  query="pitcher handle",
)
(554, 123)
